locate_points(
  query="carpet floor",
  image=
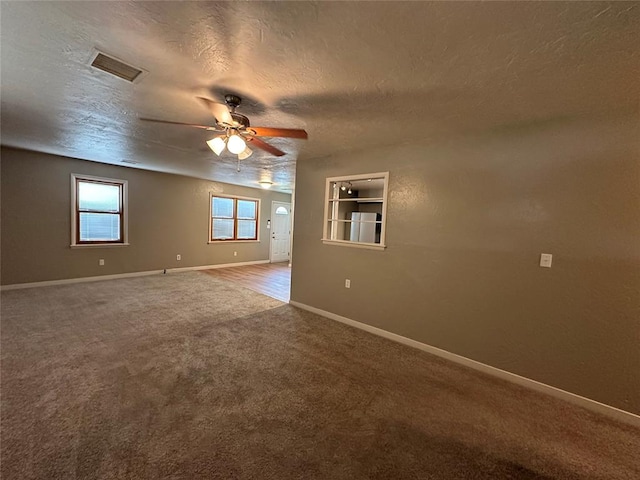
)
(183, 376)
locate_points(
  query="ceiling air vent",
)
(115, 67)
(130, 162)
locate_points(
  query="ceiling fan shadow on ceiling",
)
(235, 131)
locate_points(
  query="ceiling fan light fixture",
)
(236, 144)
(246, 153)
(216, 144)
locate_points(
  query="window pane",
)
(246, 209)
(222, 229)
(222, 207)
(99, 227)
(97, 196)
(246, 229)
(281, 211)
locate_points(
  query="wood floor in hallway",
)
(272, 279)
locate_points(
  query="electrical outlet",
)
(545, 260)
(347, 283)
(235, 254)
(101, 262)
(178, 257)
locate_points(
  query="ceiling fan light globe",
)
(236, 144)
(217, 145)
(265, 184)
(246, 153)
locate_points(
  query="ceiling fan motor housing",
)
(240, 120)
(233, 102)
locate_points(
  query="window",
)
(99, 213)
(356, 210)
(234, 219)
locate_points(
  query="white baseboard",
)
(593, 405)
(222, 265)
(99, 278)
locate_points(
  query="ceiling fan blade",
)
(205, 127)
(279, 132)
(256, 142)
(219, 111)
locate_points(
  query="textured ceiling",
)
(355, 75)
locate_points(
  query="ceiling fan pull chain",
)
(238, 165)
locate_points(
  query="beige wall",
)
(467, 221)
(168, 215)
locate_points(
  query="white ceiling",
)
(355, 75)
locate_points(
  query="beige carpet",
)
(182, 376)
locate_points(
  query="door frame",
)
(275, 204)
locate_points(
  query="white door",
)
(280, 232)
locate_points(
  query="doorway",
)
(280, 246)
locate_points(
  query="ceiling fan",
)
(235, 130)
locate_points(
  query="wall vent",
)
(115, 67)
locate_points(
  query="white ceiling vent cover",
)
(116, 67)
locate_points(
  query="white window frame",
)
(328, 214)
(74, 211)
(234, 197)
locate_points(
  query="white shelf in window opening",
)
(346, 243)
(353, 221)
(361, 200)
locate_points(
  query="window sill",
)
(99, 245)
(344, 243)
(233, 241)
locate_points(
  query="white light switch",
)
(545, 260)
(101, 262)
(347, 283)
